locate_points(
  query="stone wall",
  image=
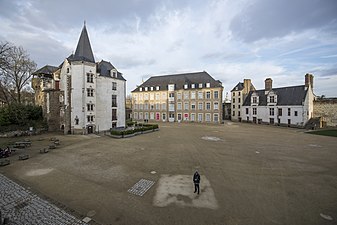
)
(327, 109)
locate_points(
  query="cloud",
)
(266, 19)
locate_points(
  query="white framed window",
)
(216, 105)
(192, 85)
(90, 78)
(192, 94)
(157, 96)
(90, 92)
(200, 95)
(216, 94)
(200, 106)
(192, 116)
(208, 85)
(186, 106)
(146, 116)
(200, 117)
(157, 88)
(171, 107)
(216, 117)
(141, 106)
(114, 86)
(271, 111)
(179, 95)
(186, 95)
(185, 86)
(179, 106)
(208, 106)
(171, 87)
(200, 85)
(254, 111)
(146, 96)
(146, 88)
(152, 116)
(140, 89)
(163, 116)
(146, 106)
(140, 115)
(208, 117)
(151, 96)
(157, 106)
(208, 94)
(193, 106)
(140, 96)
(90, 118)
(151, 88)
(163, 106)
(135, 116)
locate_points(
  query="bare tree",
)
(16, 70)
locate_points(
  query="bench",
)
(23, 157)
(44, 150)
(4, 162)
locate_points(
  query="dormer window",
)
(146, 88)
(113, 73)
(185, 86)
(151, 88)
(171, 87)
(200, 85)
(157, 88)
(192, 85)
(272, 99)
(140, 89)
(208, 85)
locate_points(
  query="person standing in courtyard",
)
(196, 181)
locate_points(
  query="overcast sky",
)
(230, 39)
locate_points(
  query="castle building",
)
(81, 95)
(287, 106)
(239, 94)
(188, 97)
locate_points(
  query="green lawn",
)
(332, 133)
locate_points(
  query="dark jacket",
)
(196, 178)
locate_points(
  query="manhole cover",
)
(141, 187)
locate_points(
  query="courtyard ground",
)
(250, 174)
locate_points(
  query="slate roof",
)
(104, 68)
(46, 70)
(294, 95)
(83, 50)
(180, 80)
(239, 87)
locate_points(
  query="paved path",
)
(23, 207)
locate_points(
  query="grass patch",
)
(331, 133)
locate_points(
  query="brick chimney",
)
(268, 84)
(309, 80)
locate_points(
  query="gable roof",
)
(238, 87)
(104, 68)
(180, 80)
(46, 70)
(83, 50)
(294, 95)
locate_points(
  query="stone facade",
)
(327, 110)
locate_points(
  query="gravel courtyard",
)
(250, 174)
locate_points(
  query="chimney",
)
(268, 84)
(309, 80)
(246, 86)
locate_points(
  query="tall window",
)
(254, 99)
(114, 100)
(90, 92)
(208, 106)
(179, 95)
(192, 94)
(289, 110)
(200, 106)
(271, 111)
(216, 94)
(280, 112)
(90, 78)
(295, 113)
(200, 95)
(114, 86)
(216, 106)
(216, 117)
(208, 117)
(208, 94)
(179, 106)
(254, 111)
(90, 107)
(114, 114)
(247, 111)
(192, 106)
(186, 106)
(90, 118)
(199, 117)
(271, 99)
(163, 106)
(186, 94)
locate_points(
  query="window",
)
(254, 111)
(199, 117)
(135, 115)
(151, 96)
(239, 100)
(179, 106)
(157, 96)
(179, 116)
(186, 95)
(140, 96)
(171, 87)
(146, 115)
(67, 70)
(157, 106)
(200, 95)
(146, 88)
(90, 78)
(295, 113)
(289, 111)
(163, 106)
(216, 117)
(216, 106)
(192, 94)
(271, 99)
(208, 117)
(186, 106)
(216, 94)
(254, 100)
(192, 106)
(90, 107)
(164, 116)
(90, 118)
(179, 95)
(289, 121)
(157, 88)
(146, 97)
(114, 74)
(140, 115)
(90, 92)
(233, 113)
(185, 86)
(239, 113)
(192, 85)
(233, 100)
(271, 120)
(146, 106)
(233, 106)
(247, 111)
(151, 107)
(280, 112)
(114, 86)
(208, 94)
(192, 117)
(200, 85)
(271, 111)
(171, 107)
(208, 85)
(171, 95)
(140, 89)
(114, 100)
(239, 93)
(233, 93)
(76, 119)
(151, 88)
(200, 106)
(141, 106)
(208, 106)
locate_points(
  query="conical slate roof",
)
(83, 50)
